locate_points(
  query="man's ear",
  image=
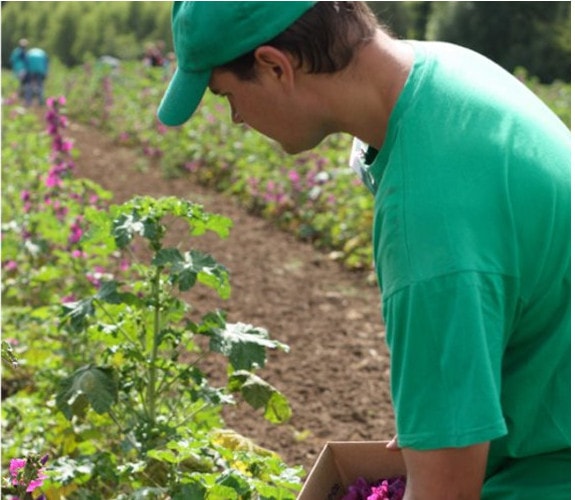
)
(275, 63)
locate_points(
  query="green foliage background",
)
(534, 35)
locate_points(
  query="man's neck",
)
(360, 99)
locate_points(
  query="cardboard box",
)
(340, 463)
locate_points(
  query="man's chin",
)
(294, 149)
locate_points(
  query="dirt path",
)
(336, 373)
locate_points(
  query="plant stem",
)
(152, 372)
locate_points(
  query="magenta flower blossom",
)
(386, 489)
(11, 265)
(293, 176)
(17, 466)
(76, 231)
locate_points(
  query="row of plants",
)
(105, 357)
(313, 195)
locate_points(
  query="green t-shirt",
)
(472, 252)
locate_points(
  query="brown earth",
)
(336, 374)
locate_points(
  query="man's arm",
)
(445, 474)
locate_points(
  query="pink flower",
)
(53, 180)
(76, 232)
(11, 265)
(17, 466)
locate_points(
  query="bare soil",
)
(336, 375)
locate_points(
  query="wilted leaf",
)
(259, 394)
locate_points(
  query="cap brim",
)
(182, 97)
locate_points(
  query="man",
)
(471, 178)
(36, 72)
(18, 63)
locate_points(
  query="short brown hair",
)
(323, 40)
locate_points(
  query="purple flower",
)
(76, 231)
(385, 489)
(358, 491)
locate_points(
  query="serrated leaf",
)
(124, 228)
(259, 394)
(167, 257)
(233, 480)
(186, 269)
(245, 345)
(98, 226)
(164, 456)
(152, 229)
(108, 292)
(221, 492)
(190, 491)
(93, 385)
(76, 314)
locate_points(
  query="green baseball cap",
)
(208, 34)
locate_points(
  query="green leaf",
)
(245, 345)
(124, 228)
(98, 222)
(93, 385)
(259, 394)
(221, 492)
(186, 269)
(167, 257)
(233, 480)
(164, 456)
(190, 491)
(77, 313)
(108, 292)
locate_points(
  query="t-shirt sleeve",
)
(446, 337)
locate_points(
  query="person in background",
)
(18, 64)
(471, 177)
(153, 55)
(36, 73)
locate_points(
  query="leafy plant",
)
(147, 376)
(103, 313)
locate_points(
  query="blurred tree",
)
(534, 35)
(62, 30)
(404, 19)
